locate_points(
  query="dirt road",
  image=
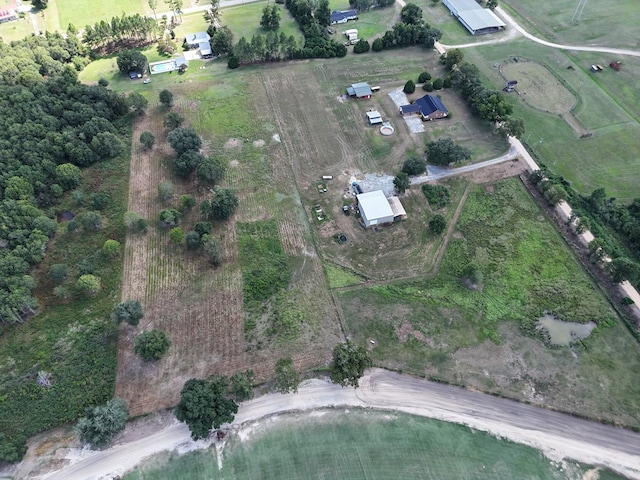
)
(556, 434)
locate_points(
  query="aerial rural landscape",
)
(319, 239)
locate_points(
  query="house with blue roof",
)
(343, 16)
(428, 107)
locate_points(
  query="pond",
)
(564, 333)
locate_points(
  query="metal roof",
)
(396, 207)
(195, 38)
(374, 205)
(429, 104)
(205, 48)
(361, 89)
(473, 16)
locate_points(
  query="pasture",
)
(605, 106)
(244, 21)
(611, 24)
(478, 328)
(362, 444)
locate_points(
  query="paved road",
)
(557, 434)
(438, 173)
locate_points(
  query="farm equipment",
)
(617, 65)
(510, 86)
(596, 68)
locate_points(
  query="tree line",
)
(125, 29)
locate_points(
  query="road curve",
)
(513, 24)
(557, 435)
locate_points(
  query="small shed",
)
(374, 208)
(399, 213)
(374, 117)
(359, 90)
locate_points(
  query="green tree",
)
(452, 57)
(322, 13)
(377, 45)
(204, 405)
(106, 145)
(414, 165)
(169, 217)
(349, 363)
(18, 188)
(361, 46)
(444, 152)
(401, 182)
(68, 175)
(211, 248)
(134, 222)
(597, 249)
(270, 17)
(151, 345)
(173, 120)
(131, 61)
(409, 87)
(427, 86)
(623, 268)
(438, 83)
(102, 423)
(233, 63)
(203, 228)
(177, 235)
(193, 240)
(492, 4)
(222, 41)
(111, 248)
(166, 191)
(166, 98)
(137, 102)
(423, 77)
(58, 272)
(88, 284)
(90, 220)
(287, 379)
(186, 202)
(129, 312)
(185, 163)
(242, 386)
(411, 14)
(223, 203)
(513, 127)
(147, 139)
(184, 139)
(437, 224)
(212, 168)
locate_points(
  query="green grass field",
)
(560, 22)
(80, 14)
(244, 21)
(362, 444)
(447, 328)
(605, 106)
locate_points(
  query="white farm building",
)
(476, 19)
(376, 209)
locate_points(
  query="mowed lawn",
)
(612, 24)
(361, 444)
(82, 13)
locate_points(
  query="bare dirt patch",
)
(234, 163)
(259, 143)
(233, 143)
(405, 329)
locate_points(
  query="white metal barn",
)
(476, 19)
(374, 208)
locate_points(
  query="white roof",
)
(372, 114)
(396, 207)
(374, 205)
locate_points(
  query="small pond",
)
(564, 333)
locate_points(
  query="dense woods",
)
(50, 126)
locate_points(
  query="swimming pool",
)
(167, 66)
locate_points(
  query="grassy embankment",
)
(363, 444)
